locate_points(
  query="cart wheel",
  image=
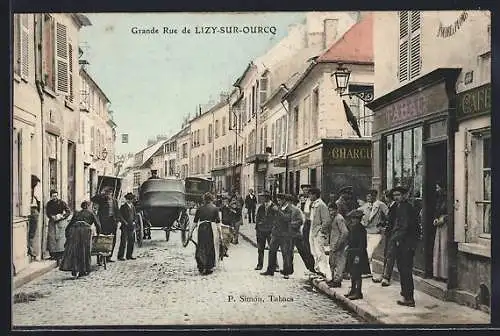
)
(167, 234)
(184, 224)
(140, 231)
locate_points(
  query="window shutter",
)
(17, 44)
(415, 56)
(70, 60)
(25, 41)
(403, 25)
(263, 89)
(415, 21)
(403, 61)
(62, 69)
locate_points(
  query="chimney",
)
(330, 31)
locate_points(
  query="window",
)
(483, 145)
(273, 127)
(254, 94)
(305, 119)
(265, 138)
(296, 125)
(404, 161)
(184, 151)
(210, 165)
(82, 133)
(98, 143)
(137, 178)
(92, 140)
(224, 156)
(210, 133)
(216, 158)
(314, 115)
(202, 136)
(22, 45)
(17, 172)
(223, 125)
(409, 45)
(249, 106)
(261, 142)
(216, 129)
(263, 87)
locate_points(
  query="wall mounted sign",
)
(349, 154)
(278, 162)
(445, 31)
(474, 102)
(413, 107)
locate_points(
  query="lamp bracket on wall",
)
(365, 95)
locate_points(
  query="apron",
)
(56, 237)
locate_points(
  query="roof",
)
(355, 46)
(83, 70)
(149, 151)
(240, 79)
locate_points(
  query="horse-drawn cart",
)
(162, 205)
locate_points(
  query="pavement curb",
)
(248, 239)
(23, 278)
(359, 307)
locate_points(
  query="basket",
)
(102, 244)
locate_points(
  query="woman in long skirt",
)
(58, 212)
(77, 256)
(440, 253)
(209, 236)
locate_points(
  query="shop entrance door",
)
(435, 170)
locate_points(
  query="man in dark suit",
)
(108, 214)
(266, 215)
(127, 216)
(404, 236)
(251, 204)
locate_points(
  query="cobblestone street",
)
(163, 287)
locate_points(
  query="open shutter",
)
(62, 68)
(70, 62)
(263, 85)
(403, 46)
(17, 44)
(25, 39)
(415, 59)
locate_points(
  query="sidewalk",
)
(379, 303)
(33, 271)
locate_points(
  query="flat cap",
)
(345, 189)
(400, 189)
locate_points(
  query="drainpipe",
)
(38, 40)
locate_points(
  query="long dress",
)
(77, 258)
(209, 238)
(440, 253)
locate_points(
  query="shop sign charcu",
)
(356, 154)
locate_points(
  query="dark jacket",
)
(357, 256)
(86, 216)
(266, 217)
(230, 215)
(405, 229)
(207, 212)
(55, 207)
(288, 222)
(127, 216)
(250, 202)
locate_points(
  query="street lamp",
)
(342, 75)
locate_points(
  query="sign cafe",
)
(475, 101)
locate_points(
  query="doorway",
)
(436, 158)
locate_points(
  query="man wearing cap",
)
(344, 202)
(317, 239)
(281, 237)
(267, 215)
(404, 240)
(127, 218)
(154, 174)
(337, 232)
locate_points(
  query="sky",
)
(154, 80)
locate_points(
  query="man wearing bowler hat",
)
(127, 227)
(267, 215)
(281, 237)
(404, 236)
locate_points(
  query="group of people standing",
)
(69, 238)
(336, 240)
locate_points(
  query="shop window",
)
(404, 161)
(484, 200)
